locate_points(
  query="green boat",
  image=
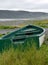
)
(29, 34)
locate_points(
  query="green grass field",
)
(7, 27)
(30, 56)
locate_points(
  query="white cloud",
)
(31, 5)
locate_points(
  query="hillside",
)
(6, 14)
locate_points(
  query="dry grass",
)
(30, 56)
(41, 23)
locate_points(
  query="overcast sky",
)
(30, 5)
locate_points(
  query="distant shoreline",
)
(22, 19)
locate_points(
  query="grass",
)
(1, 35)
(41, 23)
(8, 27)
(30, 56)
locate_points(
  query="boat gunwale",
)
(3, 37)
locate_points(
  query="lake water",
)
(14, 19)
(21, 19)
